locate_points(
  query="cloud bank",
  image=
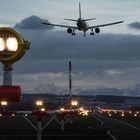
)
(134, 25)
(33, 23)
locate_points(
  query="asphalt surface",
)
(69, 135)
(119, 130)
(16, 128)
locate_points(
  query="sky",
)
(110, 59)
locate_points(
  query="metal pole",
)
(7, 76)
(62, 124)
(39, 126)
(70, 83)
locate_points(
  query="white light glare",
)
(74, 103)
(39, 103)
(2, 44)
(4, 103)
(12, 44)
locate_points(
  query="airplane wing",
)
(59, 25)
(102, 25)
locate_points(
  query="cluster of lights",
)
(122, 112)
(83, 111)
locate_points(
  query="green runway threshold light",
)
(12, 48)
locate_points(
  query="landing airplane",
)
(82, 25)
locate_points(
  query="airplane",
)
(82, 25)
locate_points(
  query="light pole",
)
(39, 104)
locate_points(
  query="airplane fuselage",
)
(82, 25)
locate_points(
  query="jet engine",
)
(97, 30)
(69, 30)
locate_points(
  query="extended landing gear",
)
(84, 33)
(73, 34)
(92, 33)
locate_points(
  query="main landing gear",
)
(73, 34)
(92, 33)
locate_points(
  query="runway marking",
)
(98, 119)
(109, 133)
(128, 124)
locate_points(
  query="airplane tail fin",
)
(79, 10)
(80, 16)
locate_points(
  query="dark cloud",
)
(33, 23)
(59, 45)
(51, 50)
(134, 25)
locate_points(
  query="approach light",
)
(122, 114)
(109, 114)
(13, 115)
(135, 115)
(62, 109)
(12, 46)
(42, 109)
(4, 103)
(74, 103)
(39, 102)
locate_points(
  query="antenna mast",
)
(70, 82)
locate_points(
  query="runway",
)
(118, 129)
